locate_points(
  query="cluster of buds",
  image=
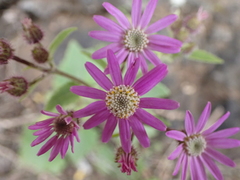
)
(16, 86)
(6, 51)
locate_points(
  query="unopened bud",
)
(6, 51)
(32, 33)
(40, 54)
(15, 86)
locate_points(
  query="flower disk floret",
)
(121, 102)
(197, 147)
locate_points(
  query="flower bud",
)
(32, 33)
(15, 86)
(6, 51)
(40, 54)
(182, 35)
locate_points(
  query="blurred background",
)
(191, 83)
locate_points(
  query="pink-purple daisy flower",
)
(121, 104)
(65, 127)
(136, 39)
(197, 147)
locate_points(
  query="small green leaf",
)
(206, 57)
(62, 96)
(59, 39)
(159, 91)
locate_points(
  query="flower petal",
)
(158, 103)
(161, 24)
(107, 24)
(184, 167)
(91, 109)
(125, 135)
(151, 57)
(88, 92)
(189, 123)
(148, 12)
(109, 128)
(61, 110)
(161, 40)
(136, 12)
(220, 157)
(164, 49)
(176, 152)
(139, 131)
(105, 36)
(64, 148)
(114, 68)
(143, 64)
(216, 124)
(197, 169)
(178, 135)
(223, 143)
(41, 138)
(203, 118)
(131, 72)
(47, 113)
(224, 133)
(149, 80)
(211, 166)
(150, 120)
(96, 119)
(48, 145)
(56, 149)
(122, 55)
(120, 17)
(102, 53)
(179, 162)
(99, 76)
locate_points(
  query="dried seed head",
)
(40, 55)
(6, 51)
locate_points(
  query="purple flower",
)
(121, 104)
(197, 147)
(136, 39)
(64, 125)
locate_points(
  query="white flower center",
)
(122, 101)
(195, 145)
(135, 40)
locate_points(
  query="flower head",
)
(65, 127)
(121, 102)
(127, 161)
(136, 39)
(40, 54)
(16, 86)
(6, 51)
(197, 147)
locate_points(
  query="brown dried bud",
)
(40, 54)
(6, 51)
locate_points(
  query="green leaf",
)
(59, 39)
(62, 96)
(206, 57)
(159, 91)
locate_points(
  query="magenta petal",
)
(102, 53)
(131, 72)
(48, 145)
(223, 143)
(217, 124)
(150, 120)
(178, 135)
(158, 103)
(91, 109)
(151, 57)
(99, 76)
(88, 92)
(143, 64)
(97, 119)
(114, 68)
(184, 167)
(105, 36)
(176, 152)
(203, 118)
(56, 149)
(120, 17)
(125, 135)
(161, 40)
(148, 12)
(61, 110)
(200, 168)
(68, 120)
(149, 80)
(212, 166)
(41, 138)
(197, 169)
(220, 157)
(109, 128)
(42, 131)
(223, 133)
(161, 24)
(179, 162)
(189, 123)
(130, 59)
(139, 131)
(107, 24)
(136, 12)
(193, 168)
(49, 113)
(71, 139)
(45, 122)
(122, 55)
(164, 49)
(64, 147)
(75, 134)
